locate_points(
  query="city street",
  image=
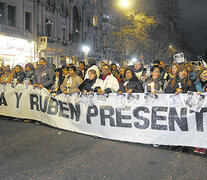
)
(35, 151)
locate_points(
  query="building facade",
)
(55, 29)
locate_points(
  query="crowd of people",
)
(108, 78)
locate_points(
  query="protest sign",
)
(137, 121)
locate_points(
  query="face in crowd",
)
(162, 64)
(92, 74)
(65, 71)
(128, 75)
(17, 69)
(122, 70)
(114, 67)
(183, 74)
(43, 63)
(71, 72)
(106, 70)
(27, 69)
(155, 73)
(81, 66)
(138, 65)
(174, 69)
(203, 76)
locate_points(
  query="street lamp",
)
(86, 50)
(124, 3)
(134, 59)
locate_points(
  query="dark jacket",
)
(30, 75)
(20, 76)
(44, 76)
(87, 85)
(158, 84)
(60, 81)
(133, 84)
(184, 86)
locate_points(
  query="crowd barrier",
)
(136, 118)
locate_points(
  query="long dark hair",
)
(176, 78)
(134, 77)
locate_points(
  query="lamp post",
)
(86, 50)
(123, 4)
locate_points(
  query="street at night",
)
(34, 151)
(103, 89)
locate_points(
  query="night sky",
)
(194, 23)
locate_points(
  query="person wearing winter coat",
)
(92, 65)
(106, 83)
(87, 85)
(155, 83)
(201, 82)
(44, 75)
(139, 70)
(19, 74)
(58, 80)
(71, 83)
(181, 83)
(29, 72)
(131, 84)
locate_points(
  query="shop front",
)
(15, 51)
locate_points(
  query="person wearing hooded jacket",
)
(44, 75)
(131, 84)
(106, 83)
(92, 65)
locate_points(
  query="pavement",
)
(36, 151)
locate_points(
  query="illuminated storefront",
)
(15, 51)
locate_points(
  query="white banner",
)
(142, 118)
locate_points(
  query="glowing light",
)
(134, 59)
(86, 49)
(124, 3)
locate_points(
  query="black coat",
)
(60, 81)
(133, 84)
(185, 87)
(87, 85)
(20, 76)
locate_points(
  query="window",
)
(48, 27)
(62, 5)
(28, 21)
(1, 13)
(95, 21)
(11, 15)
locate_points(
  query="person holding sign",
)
(155, 83)
(19, 74)
(106, 83)
(131, 84)
(201, 86)
(87, 85)
(181, 83)
(44, 75)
